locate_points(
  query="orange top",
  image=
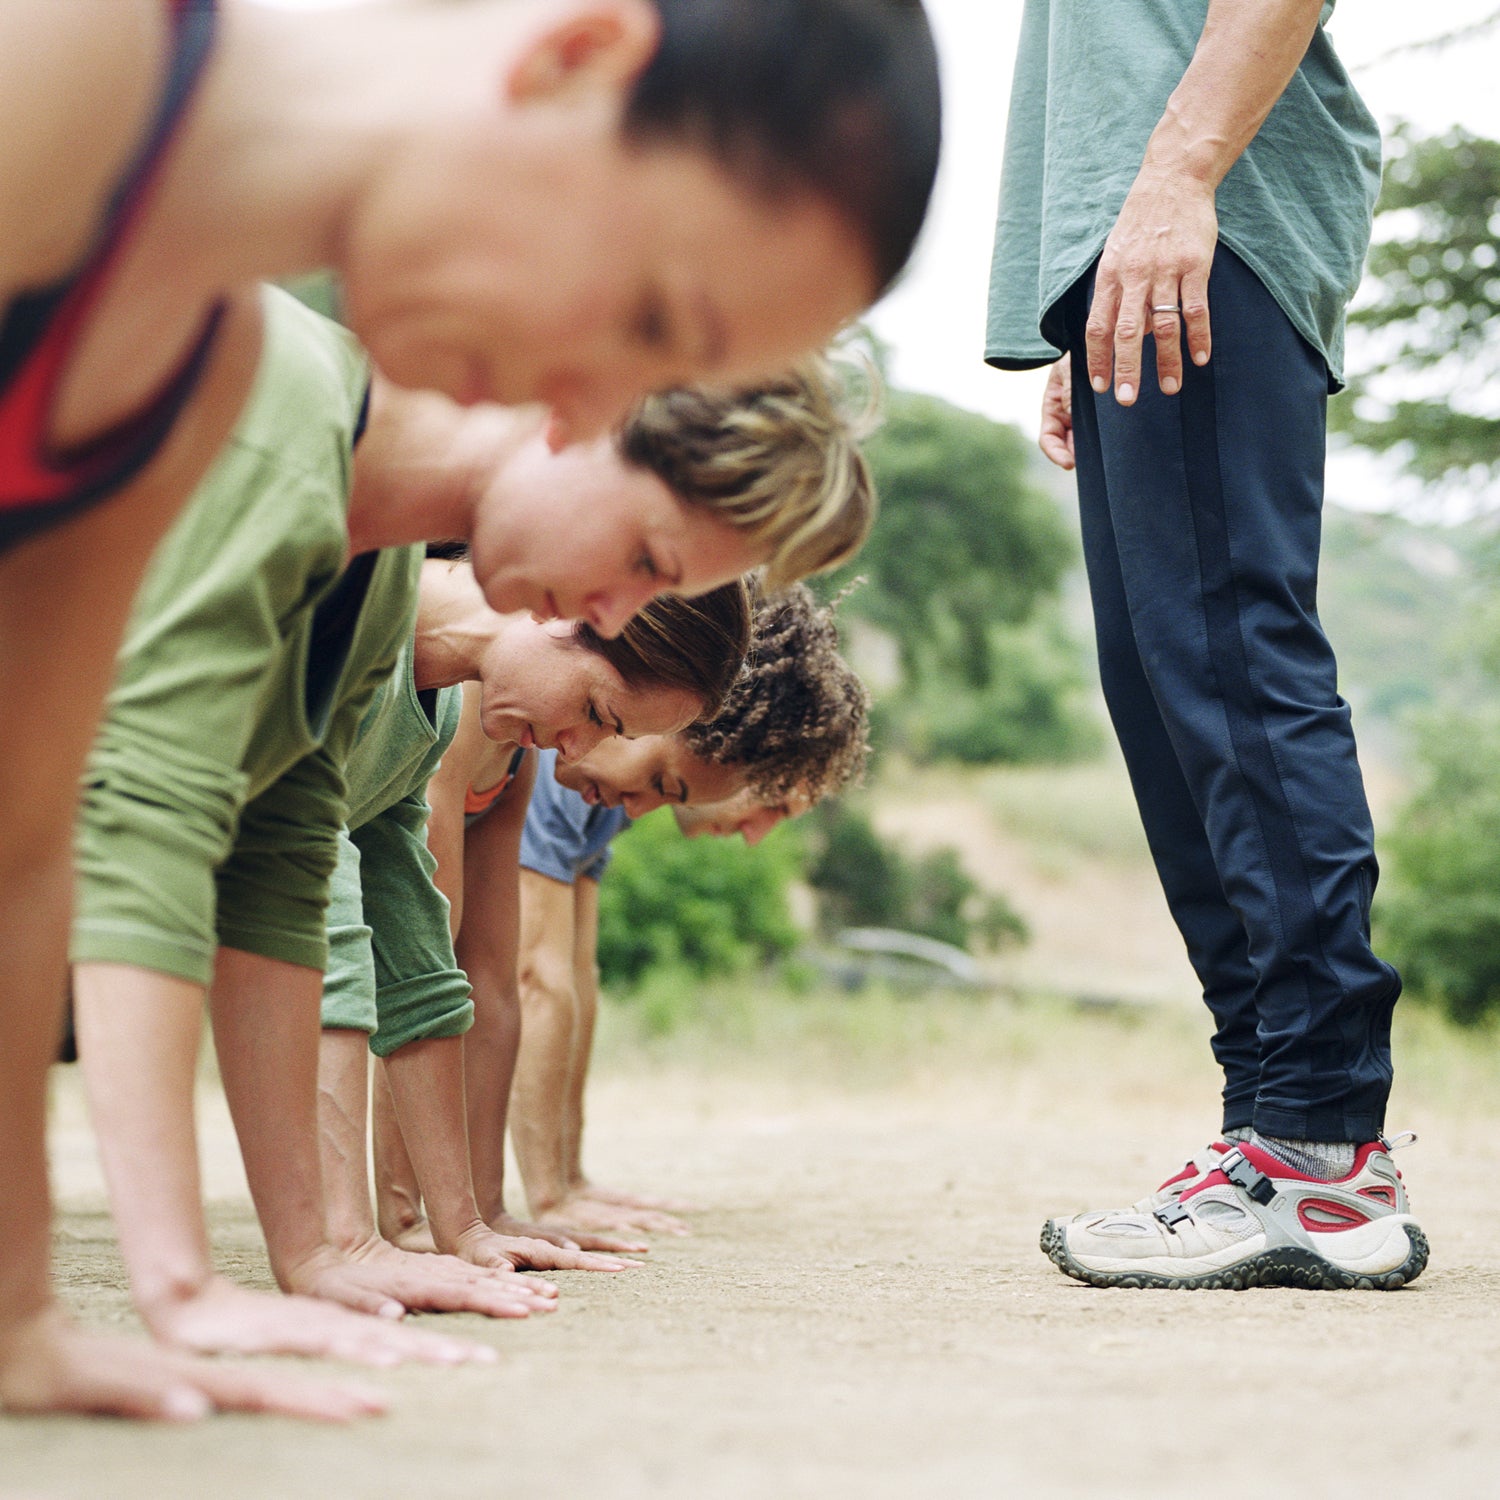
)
(482, 801)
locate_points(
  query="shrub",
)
(863, 880)
(1439, 914)
(694, 907)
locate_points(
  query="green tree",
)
(963, 572)
(1424, 358)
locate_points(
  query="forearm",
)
(343, 1073)
(579, 1054)
(267, 1031)
(427, 1085)
(490, 1051)
(1244, 60)
(398, 1198)
(538, 1114)
(33, 944)
(138, 1046)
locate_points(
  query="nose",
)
(610, 610)
(638, 804)
(574, 742)
(758, 825)
(583, 410)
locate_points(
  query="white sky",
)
(934, 320)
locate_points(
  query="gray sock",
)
(1238, 1136)
(1325, 1160)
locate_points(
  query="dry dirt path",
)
(863, 1313)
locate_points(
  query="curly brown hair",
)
(797, 716)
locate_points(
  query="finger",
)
(1130, 331)
(1195, 316)
(611, 1243)
(1057, 448)
(230, 1389)
(1166, 329)
(1099, 332)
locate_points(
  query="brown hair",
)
(780, 462)
(697, 645)
(797, 716)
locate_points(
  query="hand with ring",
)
(1153, 278)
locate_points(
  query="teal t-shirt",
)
(1092, 80)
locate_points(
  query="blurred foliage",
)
(1424, 359)
(1439, 911)
(864, 880)
(694, 906)
(963, 573)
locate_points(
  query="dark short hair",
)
(839, 97)
(697, 645)
(798, 717)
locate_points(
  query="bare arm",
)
(77, 84)
(586, 985)
(1162, 246)
(488, 946)
(549, 1005)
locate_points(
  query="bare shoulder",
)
(78, 82)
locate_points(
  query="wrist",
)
(1183, 156)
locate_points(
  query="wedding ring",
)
(1170, 307)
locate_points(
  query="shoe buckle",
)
(1171, 1214)
(1400, 1142)
(1237, 1167)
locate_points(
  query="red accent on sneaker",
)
(1321, 1216)
(1190, 1169)
(1386, 1195)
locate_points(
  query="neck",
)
(454, 626)
(424, 464)
(288, 139)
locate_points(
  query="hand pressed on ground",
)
(48, 1364)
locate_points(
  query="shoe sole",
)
(1052, 1241)
(1287, 1265)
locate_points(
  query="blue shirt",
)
(564, 838)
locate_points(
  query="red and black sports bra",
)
(40, 486)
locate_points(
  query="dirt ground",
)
(863, 1312)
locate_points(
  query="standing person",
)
(393, 985)
(555, 200)
(1184, 212)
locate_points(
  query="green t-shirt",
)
(215, 793)
(1092, 80)
(391, 970)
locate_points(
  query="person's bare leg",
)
(424, 1283)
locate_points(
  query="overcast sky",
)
(934, 320)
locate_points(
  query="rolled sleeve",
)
(157, 818)
(349, 979)
(273, 887)
(421, 994)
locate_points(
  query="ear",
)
(596, 43)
